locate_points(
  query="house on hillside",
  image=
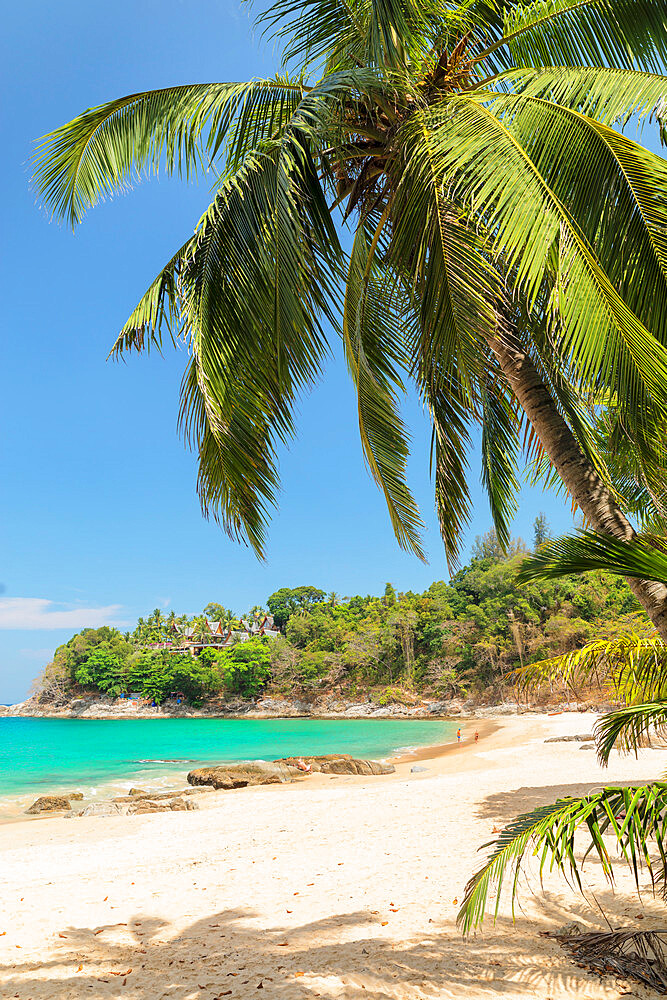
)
(220, 636)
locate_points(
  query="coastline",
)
(271, 707)
(162, 777)
(338, 886)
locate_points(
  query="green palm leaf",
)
(629, 660)
(630, 727)
(105, 149)
(635, 817)
(591, 550)
(616, 33)
(624, 226)
(372, 350)
(610, 96)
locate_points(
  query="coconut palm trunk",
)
(593, 497)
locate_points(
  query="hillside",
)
(456, 639)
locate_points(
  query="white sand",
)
(335, 887)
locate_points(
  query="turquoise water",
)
(39, 755)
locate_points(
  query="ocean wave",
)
(161, 760)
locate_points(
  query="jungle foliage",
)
(453, 639)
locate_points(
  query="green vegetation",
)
(629, 658)
(454, 639)
(469, 146)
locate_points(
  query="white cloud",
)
(38, 613)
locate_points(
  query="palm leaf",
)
(636, 817)
(105, 149)
(629, 660)
(622, 215)
(610, 96)
(591, 550)
(624, 34)
(631, 727)
(372, 350)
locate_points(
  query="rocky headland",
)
(322, 706)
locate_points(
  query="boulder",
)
(48, 803)
(103, 809)
(417, 769)
(248, 773)
(163, 805)
(137, 791)
(74, 796)
(340, 763)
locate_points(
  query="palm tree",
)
(632, 661)
(507, 258)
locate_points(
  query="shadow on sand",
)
(226, 956)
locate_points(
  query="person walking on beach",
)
(476, 736)
(458, 735)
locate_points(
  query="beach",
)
(336, 886)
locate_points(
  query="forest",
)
(456, 639)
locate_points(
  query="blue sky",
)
(98, 512)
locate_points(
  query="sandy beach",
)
(332, 887)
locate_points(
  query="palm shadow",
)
(504, 806)
(228, 955)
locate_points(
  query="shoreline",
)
(13, 804)
(336, 886)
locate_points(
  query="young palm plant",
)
(507, 254)
(632, 663)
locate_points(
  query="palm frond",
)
(500, 448)
(590, 550)
(631, 727)
(372, 350)
(107, 148)
(486, 168)
(625, 34)
(333, 32)
(628, 660)
(622, 213)
(636, 817)
(609, 96)
(158, 308)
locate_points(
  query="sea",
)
(107, 757)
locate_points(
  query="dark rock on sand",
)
(137, 791)
(241, 775)
(570, 739)
(48, 803)
(74, 796)
(340, 763)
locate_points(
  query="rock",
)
(74, 796)
(417, 769)
(164, 805)
(103, 809)
(248, 773)
(48, 803)
(571, 739)
(340, 763)
(159, 796)
(137, 791)
(587, 746)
